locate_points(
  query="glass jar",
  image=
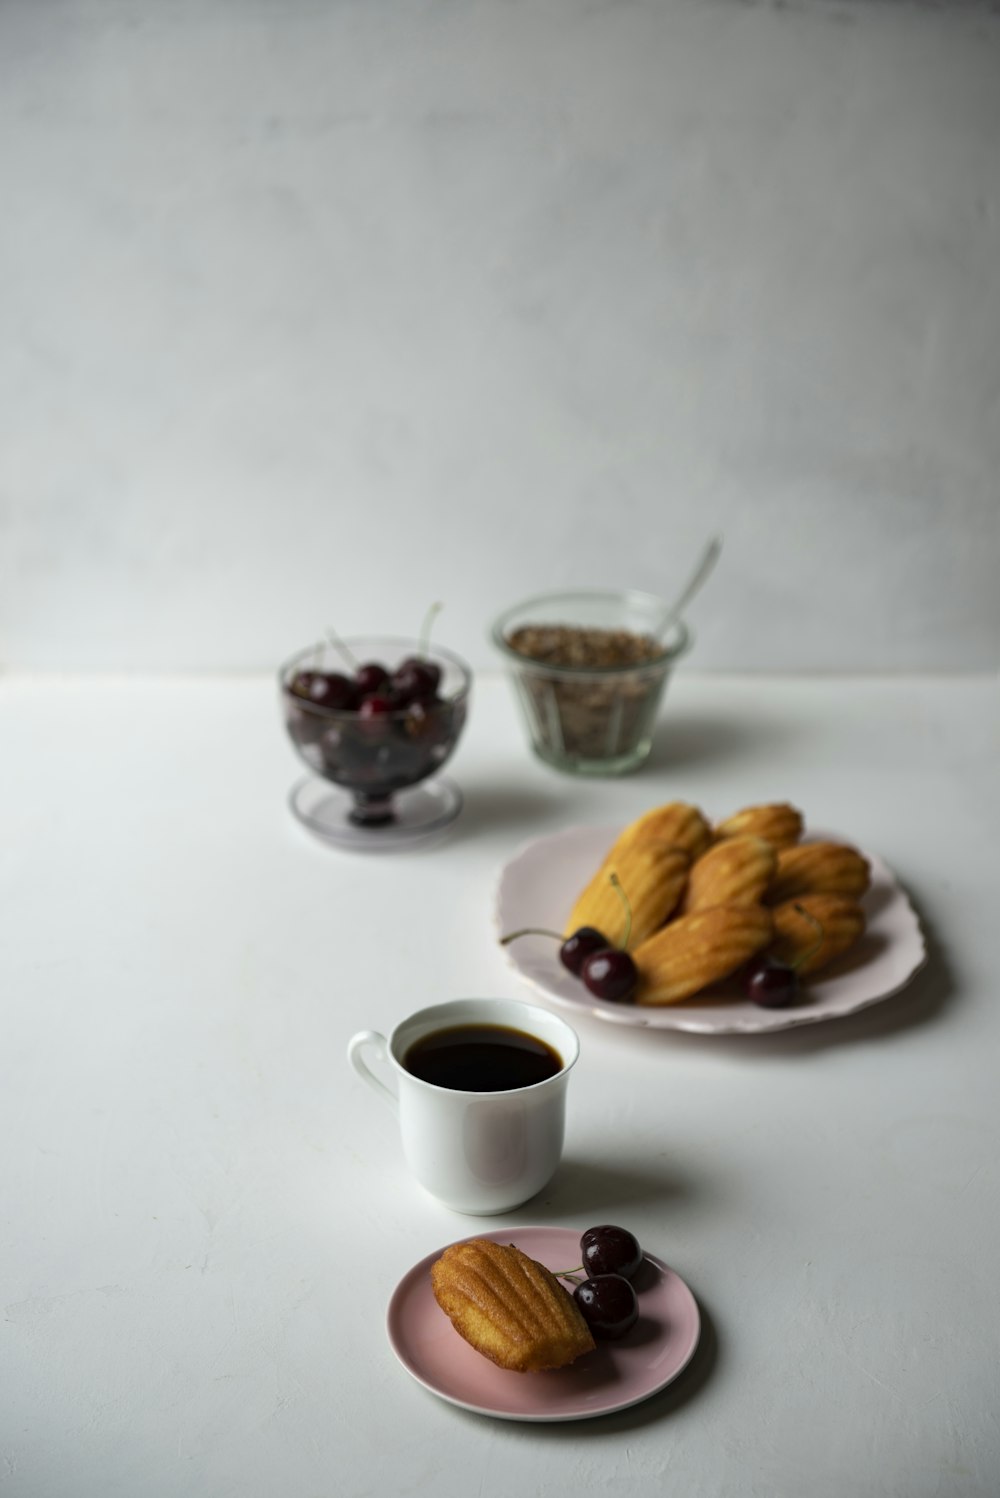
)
(589, 670)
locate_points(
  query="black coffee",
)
(482, 1058)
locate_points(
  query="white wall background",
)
(315, 312)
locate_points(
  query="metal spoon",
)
(698, 577)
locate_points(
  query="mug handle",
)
(355, 1046)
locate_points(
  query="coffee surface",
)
(482, 1058)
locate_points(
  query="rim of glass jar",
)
(295, 662)
(671, 653)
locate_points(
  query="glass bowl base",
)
(418, 815)
(577, 764)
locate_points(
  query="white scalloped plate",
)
(539, 884)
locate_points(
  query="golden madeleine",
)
(830, 925)
(696, 950)
(814, 868)
(777, 822)
(652, 877)
(509, 1307)
(677, 823)
(736, 871)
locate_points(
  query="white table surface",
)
(203, 1212)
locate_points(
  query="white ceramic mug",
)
(478, 1152)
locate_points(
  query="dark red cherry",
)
(610, 974)
(376, 706)
(770, 982)
(608, 1304)
(579, 946)
(370, 678)
(416, 680)
(326, 689)
(610, 1250)
(774, 983)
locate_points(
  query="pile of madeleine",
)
(706, 898)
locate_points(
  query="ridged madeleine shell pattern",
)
(677, 823)
(652, 876)
(814, 868)
(780, 823)
(699, 949)
(734, 872)
(839, 918)
(509, 1307)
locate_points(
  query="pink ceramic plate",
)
(616, 1375)
(539, 884)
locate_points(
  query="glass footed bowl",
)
(377, 760)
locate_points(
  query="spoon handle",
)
(704, 567)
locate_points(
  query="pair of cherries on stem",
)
(606, 1299)
(413, 684)
(773, 983)
(372, 691)
(607, 971)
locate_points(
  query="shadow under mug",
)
(477, 1152)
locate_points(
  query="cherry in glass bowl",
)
(373, 745)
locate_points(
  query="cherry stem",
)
(425, 632)
(529, 931)
(340, 647)
(810, 951)
(616, 884)
(568, 1274)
